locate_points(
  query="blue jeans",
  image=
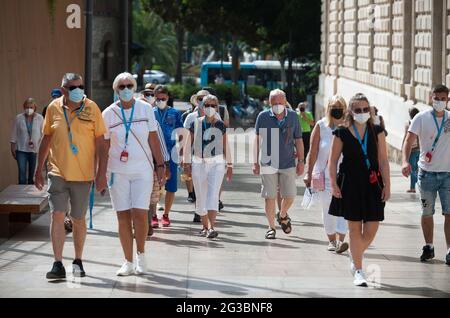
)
(414, 162)
(431, 184)
(26, 160)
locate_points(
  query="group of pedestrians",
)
(138, 144)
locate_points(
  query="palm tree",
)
(158, 39)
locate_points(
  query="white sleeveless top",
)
(326, 138)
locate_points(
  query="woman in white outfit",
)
(317, 175)
(209, 140)
(133, 145)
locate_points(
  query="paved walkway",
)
(240, 263)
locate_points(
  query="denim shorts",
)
(430, 184)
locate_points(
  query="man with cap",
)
(55, 93)
(170, 121)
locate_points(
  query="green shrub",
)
(183, 92)
(258, 92)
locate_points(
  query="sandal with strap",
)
(286, 224)
(271, 234)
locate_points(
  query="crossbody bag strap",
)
(139, 142)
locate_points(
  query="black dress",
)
(361, 200)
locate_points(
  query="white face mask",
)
(161, 104)
(278, 109)
(29, 111)
(150, 100)
(439, 106)
(361, 118)
(210, 111)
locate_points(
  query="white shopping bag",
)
(309, 198)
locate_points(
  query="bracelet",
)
(301, 161)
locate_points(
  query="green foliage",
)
(158, 38)
(223, 90)
(258, 92)
(183, 92)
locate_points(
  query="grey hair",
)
(122, 77)
(210, 98)
(69, 77)
(276, 92)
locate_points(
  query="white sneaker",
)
(141, 268)
(341, 247)
(360, 279)
(332, 246)
(352, 268)
(127, 269)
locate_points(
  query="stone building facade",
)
(108, 50)
(393, 51)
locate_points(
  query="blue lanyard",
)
(363, 144)
(29, 126)
(126, 123)
(69, 124)
(439, 130)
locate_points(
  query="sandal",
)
(271, 234)
(286, 224)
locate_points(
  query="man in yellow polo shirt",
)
(73, 137)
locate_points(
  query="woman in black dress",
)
(362, 187)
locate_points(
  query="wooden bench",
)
(17, 203)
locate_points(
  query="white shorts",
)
(130, 191)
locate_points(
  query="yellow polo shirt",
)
(85, 128)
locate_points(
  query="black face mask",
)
(337, 113)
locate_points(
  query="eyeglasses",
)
(72, 88)
(362, 110)
(129, 86)
(149, 95)
(209, 105)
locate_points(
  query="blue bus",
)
(263, 73)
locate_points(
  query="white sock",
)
(448, 252)
(431, 246)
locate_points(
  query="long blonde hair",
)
(336, 100)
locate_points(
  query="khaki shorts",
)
(62, 192)
(284, 180)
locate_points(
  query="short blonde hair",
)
(124, 77)
(30, 101)
(336, 100)
(210, 98)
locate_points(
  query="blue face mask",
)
(76, 95)
(126, 95)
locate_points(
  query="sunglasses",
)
(210, 105)
(72, 88)
(161, 100)
(362, 110)
(200, 99)
(149, 95)
(129, 86)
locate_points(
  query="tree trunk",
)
(235, 56)
(180, 43)
(290, 75)
(282, 60)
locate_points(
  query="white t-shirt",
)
(423, 125)
(190, 119)
(144, 122)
